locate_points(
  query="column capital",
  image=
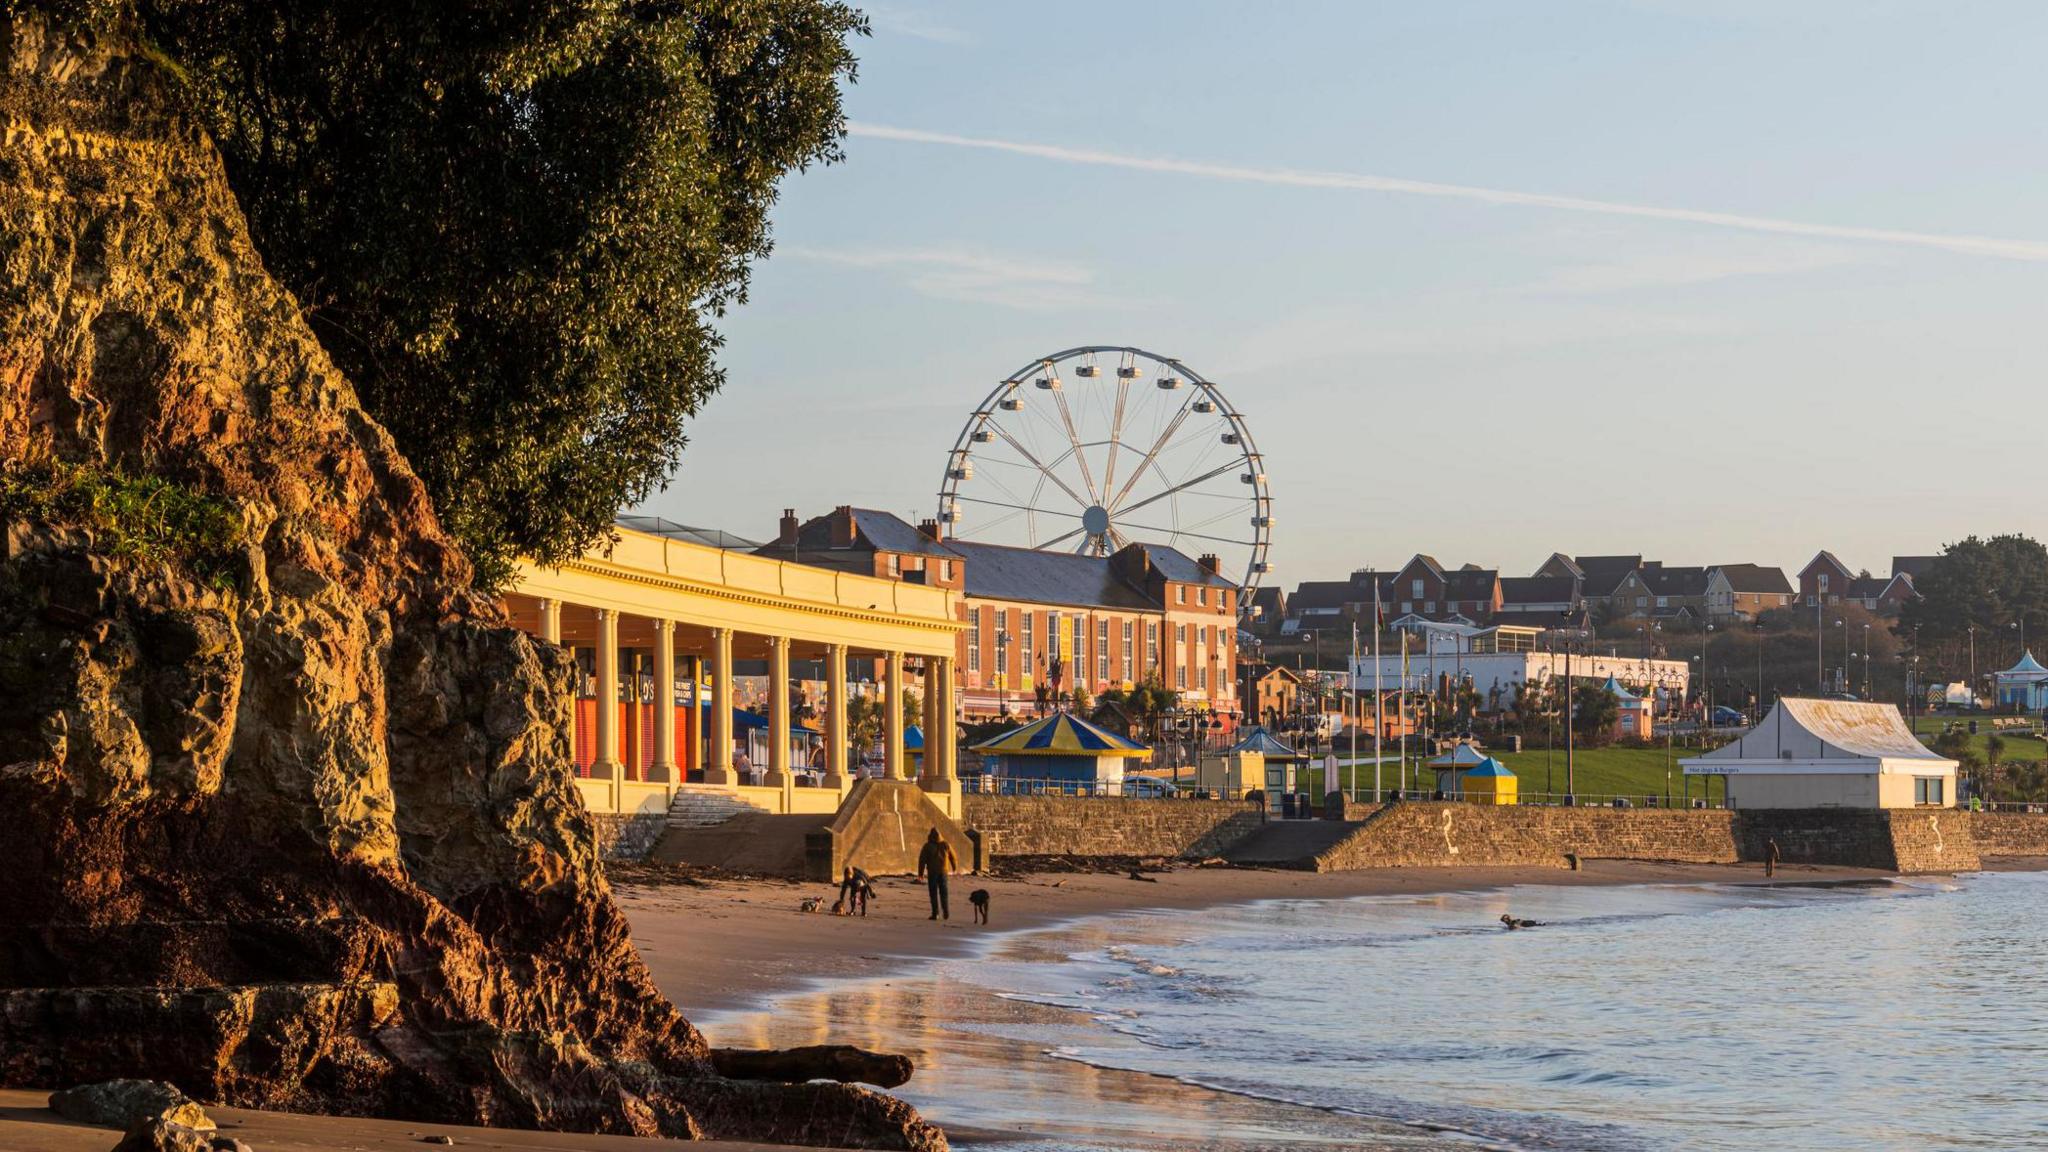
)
(778, 641)
(664, 625)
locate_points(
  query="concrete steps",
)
(702, 806)
(1291, 843)
(751, 841)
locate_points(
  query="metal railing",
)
(1130, 788)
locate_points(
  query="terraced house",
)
(1101, 622)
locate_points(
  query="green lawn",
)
(1597, 772)
(2016, 747)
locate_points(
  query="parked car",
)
(1149, 787)
(1726, 717)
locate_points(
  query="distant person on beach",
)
(855, 887)
(1770, 858)
(934, 863)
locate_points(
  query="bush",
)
(143, 518)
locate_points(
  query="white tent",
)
(1830, 754)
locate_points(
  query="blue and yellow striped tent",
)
(1063, 734)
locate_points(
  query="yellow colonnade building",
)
(659, 621)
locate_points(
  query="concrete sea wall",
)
(1420, 834)
(1425, 834)
(1108, 825)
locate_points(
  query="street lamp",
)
(1844, 680)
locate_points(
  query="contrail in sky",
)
(1358, 182)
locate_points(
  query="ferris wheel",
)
(1092, 448)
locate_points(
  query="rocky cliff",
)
(287, 818)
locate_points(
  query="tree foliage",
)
(513, 225)
(1989, 585)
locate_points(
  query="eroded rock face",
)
(302, 835)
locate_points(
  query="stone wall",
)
(1418, 834)
(2010, 833)
(630, 836)
(881, 828)
(1109, 825)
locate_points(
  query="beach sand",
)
(726, 949)
(717, 945)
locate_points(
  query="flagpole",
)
(1404, 713)
(1379, 716)
(1357, 713)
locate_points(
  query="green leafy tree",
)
(1594, 711)
(514, 225)
(1983, 585)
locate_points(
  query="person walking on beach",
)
(1770, 858)
(934, 863)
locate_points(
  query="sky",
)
(1712, 282)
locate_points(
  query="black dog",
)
(979, 898)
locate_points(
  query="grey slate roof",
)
(1664, 581)
(1003, 573)
(1756, 579)
(1536, 590)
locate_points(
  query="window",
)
(1129, 668)
(1151, 643)
(1053, 637)
(1024, 653)
(1928, 791)
(1180, 635)
(1415, 589)
(1663, 601)
(1202, 678)
(945, 569)
(1180, 675)
(1102, 649)
(1202, 596)
(1823, 578)
(1407, 606)
(1080, 643)
(895, 564)
(1429, 606)
(974, 640)
(1180, 593)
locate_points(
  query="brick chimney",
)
(930, 529)
(842, 526)
(787, 537)
(1210, 563)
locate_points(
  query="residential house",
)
(1271, 692)
(1824, 580)
(1268, 610)
(1746, 590)
(1882, 594)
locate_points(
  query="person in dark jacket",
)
(1770, 858)
(855, 887)
(934, 862)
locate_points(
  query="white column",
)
(892, 718)
(718, 767)
(933, 766)
(949, 722)
(606, 764)
(778, 712)
(662, 769)
(551, 631)
(835, 716)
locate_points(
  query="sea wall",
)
(1423, 834)
(1108, 825)
(2010, 833)
(1431, 834)
(628, 836)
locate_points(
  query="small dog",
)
(1512, 923)
(979, 898)
(812, 904)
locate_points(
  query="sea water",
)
(1909, 1014)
